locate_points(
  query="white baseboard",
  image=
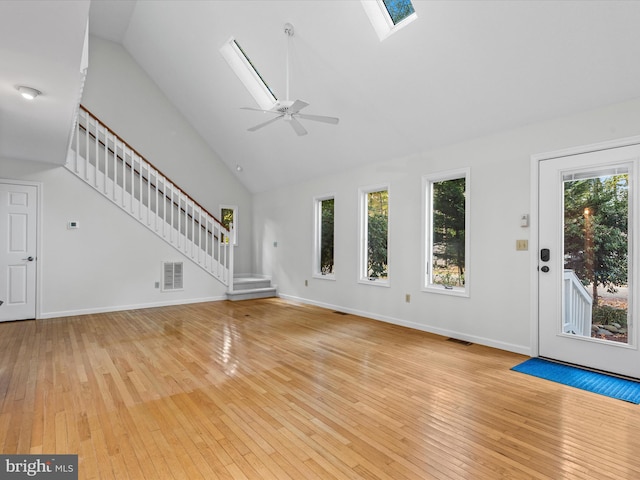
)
(509, 347)
(120, 308)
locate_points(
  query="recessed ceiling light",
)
(28, 92)
(239, 168)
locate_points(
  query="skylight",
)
(398, 9)
(248, 74)
(389, 16)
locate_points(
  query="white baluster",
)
(86, 151)
(97, 169)
(229, 259)
(80, 114)
(140, 203)
(106, 160)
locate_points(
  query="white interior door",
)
(18, 210)
(587, 262)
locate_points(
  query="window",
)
(248, 74)
(389, 16)
(228, 218)
(447, 232)
(374, 225)
(398, 10)
(323, 266)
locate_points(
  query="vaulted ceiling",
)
(463, 69)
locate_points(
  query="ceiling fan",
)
(289, 110)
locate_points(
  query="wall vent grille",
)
(172, 276)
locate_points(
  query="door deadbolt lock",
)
(545, 254)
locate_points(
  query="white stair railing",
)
(108, 164)
(577, 306)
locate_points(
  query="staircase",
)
(114, 169)
(247, 288)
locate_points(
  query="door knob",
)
(545, 269)
(30, 259)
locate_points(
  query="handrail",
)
(577, 305)
(143, 158)
(111, 166)
(147, 179)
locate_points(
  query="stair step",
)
(251, 293)
(250, 283)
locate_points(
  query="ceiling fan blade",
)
(297, 126)
(297, 106)
(259, 110)
(259, 126)
(319, 118)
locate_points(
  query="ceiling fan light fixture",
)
(28, 92)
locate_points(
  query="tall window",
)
(324, 232)
(374, 235)
(229, 217)
(447, 232)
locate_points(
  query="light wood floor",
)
(267, 389)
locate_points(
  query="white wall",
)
(497, 313)
(110, 263)
(125, 98)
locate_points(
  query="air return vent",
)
(172, 278)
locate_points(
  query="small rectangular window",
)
(374, 235)
(229, 218)
(324, 237)
(447, 232)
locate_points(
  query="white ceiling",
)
(462, 70)
(41, 44)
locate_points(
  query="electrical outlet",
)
(306, 283)
(157, 285)
(407, 298)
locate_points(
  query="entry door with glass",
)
(587, 263)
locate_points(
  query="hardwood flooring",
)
(267, 389)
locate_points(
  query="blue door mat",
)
(595, 382)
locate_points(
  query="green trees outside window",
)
(377, 234)
(448, 242)
(326, 235)
(227, 218)
(596, 235)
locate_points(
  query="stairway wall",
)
(110, 263)
(123, 96)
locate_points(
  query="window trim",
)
(317, 233)
(427, 230)
(248, 74)
(382, 21)
(235, 221)
(363, 216)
